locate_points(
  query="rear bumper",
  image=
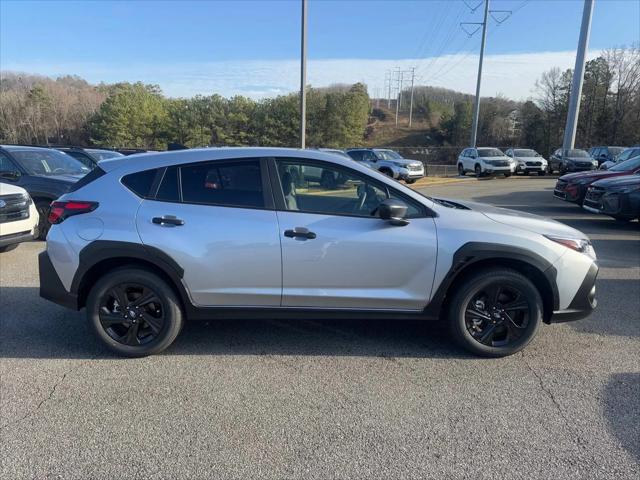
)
(584, 301)
(51, 287)
(14, 238)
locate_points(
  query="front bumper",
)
(584, 301)
(404, 174)
(13, 238)
(51, 287)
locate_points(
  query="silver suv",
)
(485, 161)
(389, 162)
(145, 243)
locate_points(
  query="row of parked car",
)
(614, 191)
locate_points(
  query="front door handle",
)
(300, 232)
(168, 220)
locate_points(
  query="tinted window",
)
(168, 190)
(237, 184)
(81, 157)
(140, 182)
(356, 155)
(328, 189)
(87, 179)
(6, 165)
(388, 155)
(525, 153)
(577, 153)
(490, 152)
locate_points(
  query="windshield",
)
(526, 153)
(388, 155)
(490, 152)
(627, 165)
(104, 154)
(614, 151)
(49, 162)
(577, 154)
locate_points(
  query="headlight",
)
(581, 245)
(401, 165)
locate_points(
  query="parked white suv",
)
(485, 161)
(389, 162)
(18, 217)
(528, 161)
(147, 242)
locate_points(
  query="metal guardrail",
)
(441, 170)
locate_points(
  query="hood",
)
(618, 181)
(65, 178)
(8, 189)
(405, 161)
(530, 159)
(591, 175)
(522, 220)
(579, 159)
(500, 157)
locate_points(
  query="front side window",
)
(388, 155)
(356, 155)
(237, 184)
(327, 189)
(6, 165)
(49, 162)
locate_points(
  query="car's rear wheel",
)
(43, 206)
(134, 312)
(495, 312)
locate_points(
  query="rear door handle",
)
(300, 232)
(168, 220)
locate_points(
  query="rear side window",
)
(87, 179)
(168, 190)
(356, 155)
(232, 184)
(140, 182)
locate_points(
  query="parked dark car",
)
(617, 197)
(573, 186)
(626, 154)
(573, 160)
(88, 156)
(605, 154)
(45, 173)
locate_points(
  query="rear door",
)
(336, 252)
(216, 220)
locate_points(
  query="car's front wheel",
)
(495, 312)
(460, 170)
(410, 181)
(134, 312)
(478, 171)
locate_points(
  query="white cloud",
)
(511, 75)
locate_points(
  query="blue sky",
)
(251, 47)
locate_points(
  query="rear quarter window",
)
(140, 183)
(87, 179)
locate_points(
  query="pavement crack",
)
(52, 392)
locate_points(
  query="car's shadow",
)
(622, 410)
(34, 328)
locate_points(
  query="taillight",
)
(60, 211)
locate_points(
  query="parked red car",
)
(573, 186)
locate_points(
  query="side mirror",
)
(11, 176)
(394, 212)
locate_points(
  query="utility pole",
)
(389, 95)
(398, 97)
(578, 76)
(303, 76)
(413, 74)
(476, 107)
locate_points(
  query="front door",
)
(212, 219)
(336, 252)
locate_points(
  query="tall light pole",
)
(476, 107)
(413, 74)
(578, 75)
(303, 76)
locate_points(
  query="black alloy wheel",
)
(134, 311)
(497, 315)
(495, 312)
(132, 314)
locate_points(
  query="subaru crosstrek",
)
(226, 233)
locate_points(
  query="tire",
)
(504, 337)
(410, 181)
(157, 324)
(8, 248)
(478, 170)
(387, 172)
(541, 173)
(42, 206)
(461, 171)
(507, 175)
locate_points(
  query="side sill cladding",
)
(473, 252)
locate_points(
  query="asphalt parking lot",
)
(329, 399)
